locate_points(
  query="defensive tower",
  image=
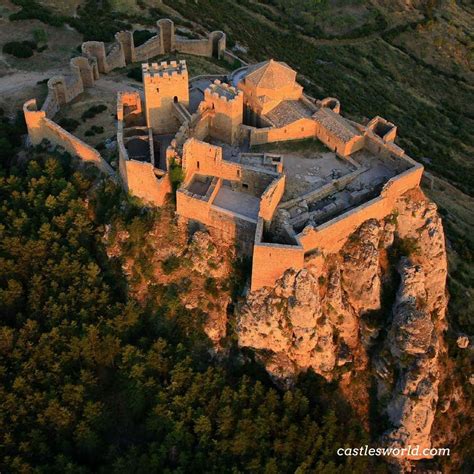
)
(226, 104)
(164, 84)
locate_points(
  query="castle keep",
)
(279, 207)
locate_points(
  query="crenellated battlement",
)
(165, 84)
(222, 91)
(172, 69)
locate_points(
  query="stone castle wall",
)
(270, 259)
(271, 198)
(141, 178)
(338, 145)
(137, 176)
(41, 128)
(304, 128)
(86, 69)
(222, 224)
(204, 158)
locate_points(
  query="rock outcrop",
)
(379, 305)
(289, 322)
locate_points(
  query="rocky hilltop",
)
(377, 307)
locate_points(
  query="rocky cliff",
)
(377, 307)
(371, 317)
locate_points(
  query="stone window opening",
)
(197, 163)
(245, 185)
(175, 99)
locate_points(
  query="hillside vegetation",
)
(94, 380)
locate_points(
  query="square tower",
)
(227, 105)
(164, 85)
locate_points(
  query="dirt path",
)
(18, 80)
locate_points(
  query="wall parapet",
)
(331, 235)
(271, 260)
(42, 128)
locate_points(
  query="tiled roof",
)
(336, 124)
(287, 112)
(271, 75)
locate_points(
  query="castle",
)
(281, 207)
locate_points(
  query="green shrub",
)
(68, 124)
(142, 36)
(170, 264)
(211, 286)
(33, 10)
(91, 112)
(94, 130)
(40, 35)
(20, 49)
(135, 73)
(408, 247)
(176, 175)
(10, 137)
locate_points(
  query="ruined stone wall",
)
(167, 35)
(304, 128)
(389, 153)
(41, 128)
(331, 236)
(204, 158)
(140, 178)
(106, 62)
(192, 206)
(232, 227)
(218, 40)
(270, 261)
(62, 89)
(197, 126)
(271, 198)
(74, 87)
(255, 181)
(148, 50)
(400, 184)
(84, 68)
(50, 106)
(197, 47)
(115, 59)
(201, 157)
(129, 100)
(222, 223)
(213, 45)
(125, 38)
(95, 50)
